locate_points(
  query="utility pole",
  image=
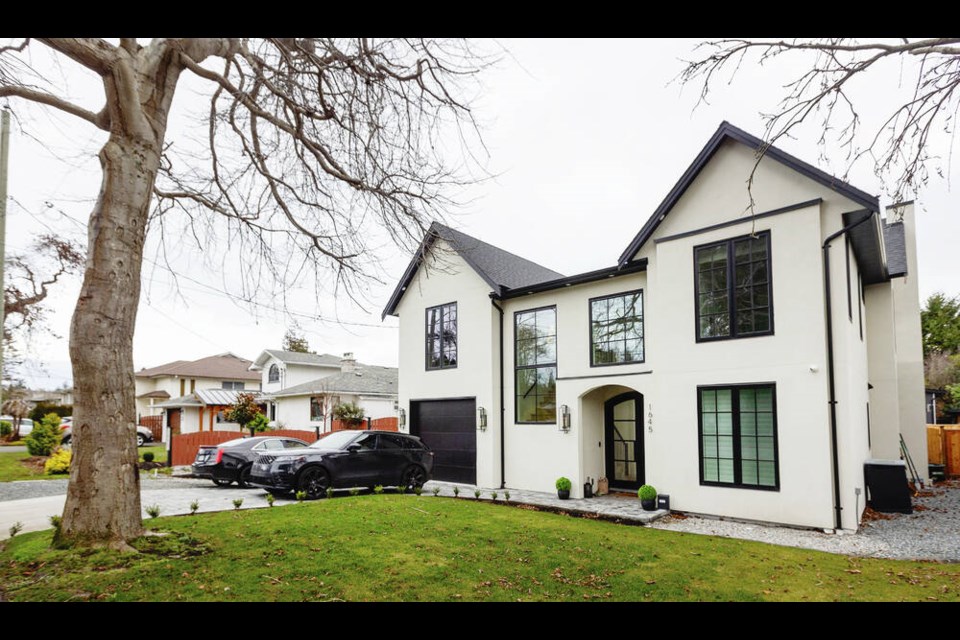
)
(4, 152)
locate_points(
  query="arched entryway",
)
(623, 436)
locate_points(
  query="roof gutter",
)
(835, 456)
(582, 278)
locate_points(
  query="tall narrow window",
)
(733, 288)
(441, 336)
(738, 436)
(273, 374)
(535, 338)
(616, 329)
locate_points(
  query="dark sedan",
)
(345, 459)
(230, 461)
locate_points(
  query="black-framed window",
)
(442, 336)
(273, 374)
(616, 329)
(535, 353)
(734, 297)
(738, 436)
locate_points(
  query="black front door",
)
(623, 425)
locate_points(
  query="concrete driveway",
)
(172, 495)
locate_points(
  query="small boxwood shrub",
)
(59, 462)
(45, 436)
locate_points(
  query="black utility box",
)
(937, 471)
(887, 489)
(663, 501)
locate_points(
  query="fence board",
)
(935, 452)
(951, 436)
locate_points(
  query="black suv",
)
(345, 459)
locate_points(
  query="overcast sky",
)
(586, 137)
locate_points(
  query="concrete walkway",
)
(623, 507)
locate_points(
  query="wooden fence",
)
(943, 447)
(155, 424)
(185, 446)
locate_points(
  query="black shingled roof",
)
(500, 269)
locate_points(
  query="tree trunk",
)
(103, 497)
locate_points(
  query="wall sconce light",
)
(483, 418)
(565, 417)
(403, 417)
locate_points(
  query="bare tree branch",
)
(95, 54)
(900, 147)
(100, 120)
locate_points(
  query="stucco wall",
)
(447, 278)
(294, 412)
(292, 374)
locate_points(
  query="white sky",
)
(586, 138)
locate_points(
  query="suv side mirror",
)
(353, 448)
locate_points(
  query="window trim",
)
(643, 327)
(426, 341)
(516, 367)
(731, 296)
(735, 412)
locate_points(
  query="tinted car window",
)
(273, 444)
(367, 441)
(412, 443)
(292, 444)
(391, 442)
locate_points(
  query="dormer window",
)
(273, 375)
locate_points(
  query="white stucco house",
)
(746, 362)
(297, 386)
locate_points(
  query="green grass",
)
(12, 467)
(396, 547)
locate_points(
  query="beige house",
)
(747, 361)
(183, 377)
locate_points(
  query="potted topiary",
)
(563, 488)
(648, 497)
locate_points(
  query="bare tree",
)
(322, 404)
(900, 147)
(18, 409)
(312, 148)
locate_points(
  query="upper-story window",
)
(734, 296)
(535, 336)
(232, 384)
(442, 336)
(273, 375)
(616, 329)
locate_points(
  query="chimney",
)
(348, 363)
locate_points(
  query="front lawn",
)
(402, 547)
(13, 467)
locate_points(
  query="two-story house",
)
(300, 389)
(746, 358)
(182, 377)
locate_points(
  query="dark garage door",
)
(449, 428)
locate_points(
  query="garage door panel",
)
(448, 427)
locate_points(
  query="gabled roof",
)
(724, 132)
(296, 357)
(500, 269)
(364, 380)
(224, 366)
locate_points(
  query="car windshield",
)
(336, 440)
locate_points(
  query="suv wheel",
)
(314, 482)
(413, 477)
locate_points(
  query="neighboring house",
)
(183, 377)
(299, 388)
(202, 410)
(747, 362)
(59, 396)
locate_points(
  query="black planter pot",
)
(563, 495)
(649, 505)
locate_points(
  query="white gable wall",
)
(448, 278)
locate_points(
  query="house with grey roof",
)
(156, 385)
(750, 352)
(301, 389)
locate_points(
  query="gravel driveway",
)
(931, 532)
